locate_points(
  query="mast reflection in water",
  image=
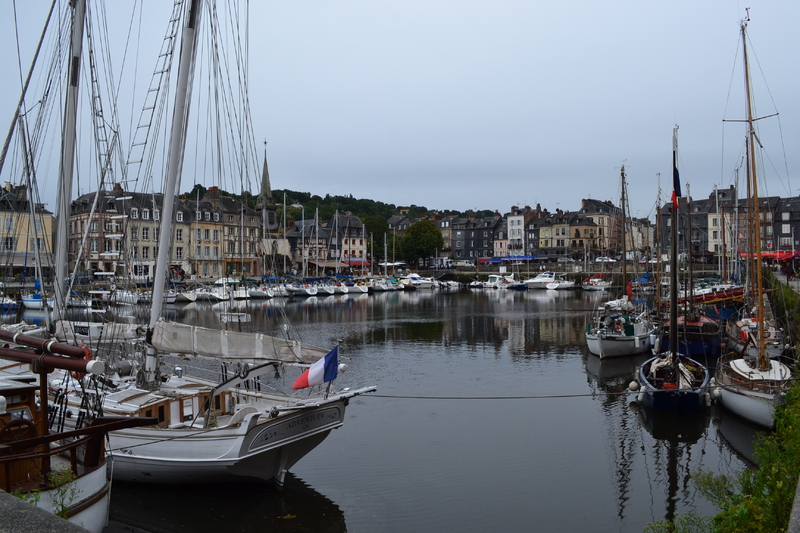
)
(490, 415)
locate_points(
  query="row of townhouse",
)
(212, 237)
(315, 247)
(595, 229)
(721, 224)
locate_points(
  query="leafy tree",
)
(377, 232)
(421, 240)
(198, 191)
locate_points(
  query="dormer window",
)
(207, 215)
(198, 215)
(145, 214)
(216, 217)
(179, 216)
(156, 215)
(134, 213)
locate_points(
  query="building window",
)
(206, 252)
(93, 245)
(179, 216)
(207, 234)
(10, 243)
(179, 235)
(199, 234)
(786, 228)
(145, 214)
(198, 215)
(145, 252)
(145, 234)
(93, 226)
(216, 217)
(207, 215)
(156, 215)
(216, 234)
(216, 252)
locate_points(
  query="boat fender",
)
(743, 335)
(640, 397)
(708, 399)
(714, 388)
(244, 371)
(633, 386)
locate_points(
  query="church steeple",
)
(266, 203)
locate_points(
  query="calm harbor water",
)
(490, 415)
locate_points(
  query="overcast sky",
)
(484, 105)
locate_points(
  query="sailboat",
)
(670, 381)
(242, 426)
(749, 382)
(625, 332)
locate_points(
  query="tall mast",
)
(177, 145)
(624, 233)
(673, 258)
(61, 265)
(763, 364)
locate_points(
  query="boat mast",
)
(763, 364)
(673, 259)
(177, 145)
(624, 233)
(61, 265)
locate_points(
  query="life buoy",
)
(87, 355)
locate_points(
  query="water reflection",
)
(673, 452)
(225, 507)
(406, 460)
(738, 434)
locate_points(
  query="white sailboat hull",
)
(749, 392)
(756, 407)
(261, 447)
(606, 346)
(89, 508)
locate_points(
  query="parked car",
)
(566, 260)
(605, 260)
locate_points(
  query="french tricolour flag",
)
(320, 372)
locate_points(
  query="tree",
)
(378, 228)
(421, 240)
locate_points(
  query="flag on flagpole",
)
(676, 180)
(320, 372)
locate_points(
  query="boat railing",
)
(26, 462)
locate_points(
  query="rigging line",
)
(27, 80)
(542, 397)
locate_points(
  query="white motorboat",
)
(560, 284)
(541, 280)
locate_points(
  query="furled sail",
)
(231, 345)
